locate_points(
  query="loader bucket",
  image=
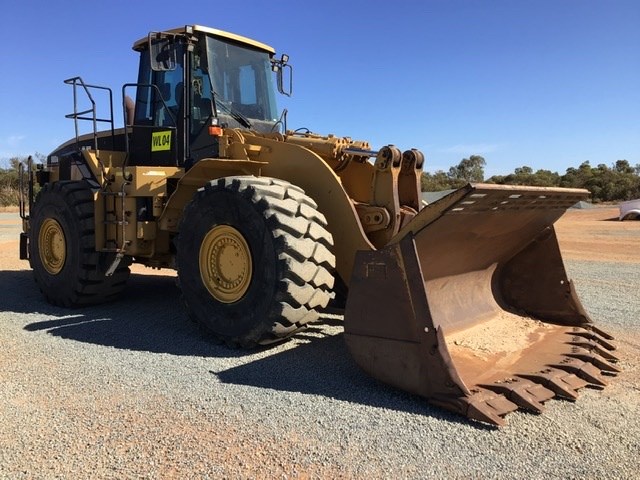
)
(470, 306)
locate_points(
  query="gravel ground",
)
(133, 390)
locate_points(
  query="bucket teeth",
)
(595, 348)
(593, 357)
(594, 334)
(585, 370)
(585, 361)
(560, 382)
(489, 407)
(524, 393)
(600, 332)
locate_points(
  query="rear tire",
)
(67, 267)
(254, 259)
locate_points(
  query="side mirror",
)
(162, 52)
(280, 66)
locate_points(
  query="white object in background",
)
(630, 210)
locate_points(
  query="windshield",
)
(243, 83)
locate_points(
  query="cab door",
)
(159, 121)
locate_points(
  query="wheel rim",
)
(225, 263)
(52, 246)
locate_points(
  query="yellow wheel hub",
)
(225, 264)
(52, 246)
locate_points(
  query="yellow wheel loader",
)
(464, 301)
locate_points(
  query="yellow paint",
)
(52, 246)
(225, 263)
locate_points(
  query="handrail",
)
(23, 209)
(76, 115)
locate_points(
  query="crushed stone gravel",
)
(134, 390)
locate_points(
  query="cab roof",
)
(214, 32)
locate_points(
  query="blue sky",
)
(547, 83)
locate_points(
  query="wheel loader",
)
(464, 301)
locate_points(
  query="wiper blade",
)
(240, 118)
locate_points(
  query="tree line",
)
(617, 182)
(9, 184)
(10, 180)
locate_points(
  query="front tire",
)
(67, 267)
(254, 259)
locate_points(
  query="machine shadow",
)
(323, 366)
(149, 317)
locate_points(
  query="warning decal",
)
(161, 141)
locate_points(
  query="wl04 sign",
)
(161, 141)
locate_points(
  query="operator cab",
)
(195, 77)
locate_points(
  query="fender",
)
(204, 171)
(294, 164)
(307, 170)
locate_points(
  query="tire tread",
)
(303, 246)
(91, 286)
